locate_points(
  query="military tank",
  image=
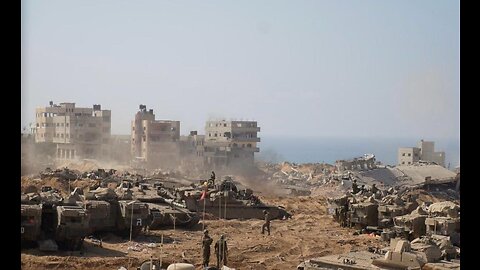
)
(31, 220)
(362, 214)
(228, 201)
(46, 216)
(108, 213)
(64, 174)
(163, 212)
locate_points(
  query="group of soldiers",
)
(221, 249)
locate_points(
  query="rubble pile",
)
(426, 218)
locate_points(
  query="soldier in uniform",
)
(267, 222)
(355, 188)
(374, 189)
(221, 251)
(206, 242)
(211, 181)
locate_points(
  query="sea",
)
(328, 150)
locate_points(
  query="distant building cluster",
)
(225, 143)
(72, 132)
(80, 133)
(423, 152)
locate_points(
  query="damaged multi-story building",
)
(192, 149)
(74, 132)
(230, 143)
(367, 162)
(423, 152)
(156, 142)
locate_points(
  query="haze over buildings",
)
(313, 69)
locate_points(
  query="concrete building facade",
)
(425, 151)
(230, 143)
(155, 141)
(75, 132)
(367, 162)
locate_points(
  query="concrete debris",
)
(357, 196)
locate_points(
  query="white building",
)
(423, 152)
(75, 132)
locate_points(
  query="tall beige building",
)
(155, 141)
(423, 152)
(230, 143)
(75, 132)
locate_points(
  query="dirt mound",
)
(62, 185)
(87, 165)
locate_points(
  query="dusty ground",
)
(310, 233)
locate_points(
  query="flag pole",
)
(204, 202)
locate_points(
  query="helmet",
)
(264, 211)
(222, 236)
(205, 231)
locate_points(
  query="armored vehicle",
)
(108, 213)
(230, 202)
(362, 214)
(444, 219)
(338, 209)
(162, 211)
(31, 220)
(46, 216)
(71, 226)
(413, 223)
(64, 174)
(386, 213)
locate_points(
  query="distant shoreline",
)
(328, 150)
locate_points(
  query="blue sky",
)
(300, 68)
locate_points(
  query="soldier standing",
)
(221, 251)
(342, 216)
(206, 242)
(211, 181)
(355, 188)
(374, 189)
(267, 222)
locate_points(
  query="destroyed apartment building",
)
(366, 171)
(231, 143)
(226, 144)
(155, 141)
(361, 163)
(74, 132)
